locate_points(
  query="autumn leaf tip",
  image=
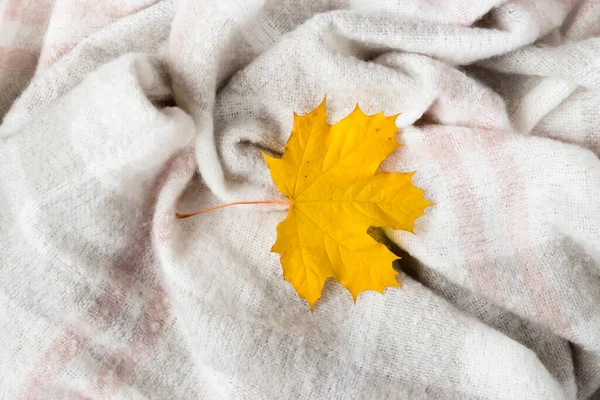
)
(311, 304)
(266, 157)
(323, 102)
(379, 290)
(426, 203)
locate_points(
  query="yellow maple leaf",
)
(329, 174)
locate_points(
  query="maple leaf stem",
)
(236, 203)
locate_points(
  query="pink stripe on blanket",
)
(51, 53)
(513, 191)
(443, 145)
(111, 300)
(63, 349)
(32, 12)
(13, 9)
(121, 363)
